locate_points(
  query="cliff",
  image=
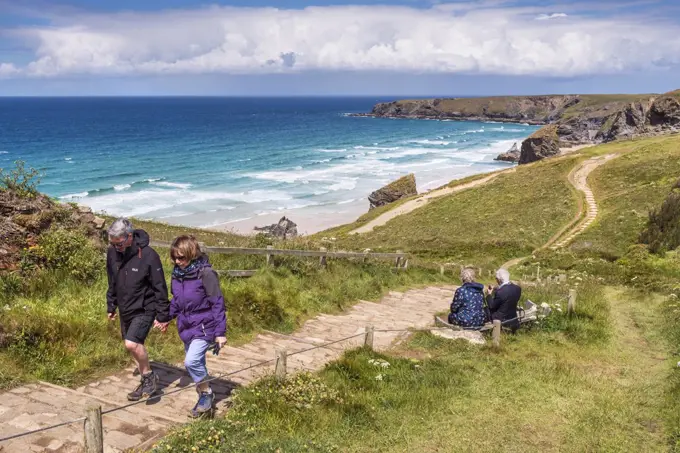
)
(578, 119)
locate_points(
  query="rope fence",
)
(93, 420)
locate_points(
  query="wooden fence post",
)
(563, 278)
(538, 273)
(202, 246)
(441, 269)
(405, 264)
(479, 272)
(368, 338)
(496, 333)
(397, 262)
(280, 371)
(94, 434)
(571, 305)
(322, 259)
(269, 257)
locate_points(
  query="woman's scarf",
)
(193, 267)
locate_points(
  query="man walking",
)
(137, 289)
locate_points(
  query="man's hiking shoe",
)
(146, 388)
(204, 406)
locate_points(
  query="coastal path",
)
(421, 201)
(587, 212)
(318, 341)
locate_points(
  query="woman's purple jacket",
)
(198, 304)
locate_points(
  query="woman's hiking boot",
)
(204, 406)
(147, 387)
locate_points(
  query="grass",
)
(626, 189)
(567, 385)
(484, 226)
(57, 329)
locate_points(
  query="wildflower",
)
(379, 377)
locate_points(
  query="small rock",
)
(286, 228)
(511, 155)
(84, 209)
(472, 336)
(98, 223)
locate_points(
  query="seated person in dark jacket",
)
(467, 308)
(502, 300)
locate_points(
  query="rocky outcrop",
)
(541, 144)
(527, 109)
(401, 188)
(579, 119)
(511, 155)
(284, 229)
(23, 219)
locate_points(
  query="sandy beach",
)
(309, 220)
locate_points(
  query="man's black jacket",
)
(136, 281)
(503, 302)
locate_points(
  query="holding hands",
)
(162, 326)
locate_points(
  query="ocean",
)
(234, 163)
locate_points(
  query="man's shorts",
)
(137, 328)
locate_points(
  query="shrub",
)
(70, 251)
(663, 227)
(22, 181)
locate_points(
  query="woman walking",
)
(198, 305)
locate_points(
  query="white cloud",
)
(8, 69)
(489, 40)
(551, 16)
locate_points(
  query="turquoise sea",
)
(237, 162)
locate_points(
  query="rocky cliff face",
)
(543, 143)
(579, 119)
(23, 220)
(401, 188)
(529, 109)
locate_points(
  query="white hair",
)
(502, 275)
(467, 275)
(120, 227)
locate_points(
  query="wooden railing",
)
(400, 258)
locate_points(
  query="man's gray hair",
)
(120, 227)
(467, 275)
(502, 275)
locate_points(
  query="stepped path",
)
(579, 179)
(423, 200)
(41, 404)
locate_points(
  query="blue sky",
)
(325, 47)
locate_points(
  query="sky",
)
(337, 47)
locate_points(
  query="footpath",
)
(41, 404)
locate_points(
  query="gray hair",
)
(467, 275)
(502, 275)
(120, 227)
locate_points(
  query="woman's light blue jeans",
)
(194, 360)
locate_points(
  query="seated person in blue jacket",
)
(502, 300)
(467, 308)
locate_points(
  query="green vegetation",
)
(663, 229)
(575, 384)
(627, 189)
(21, 180)
(485, 226)
(54, 328)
